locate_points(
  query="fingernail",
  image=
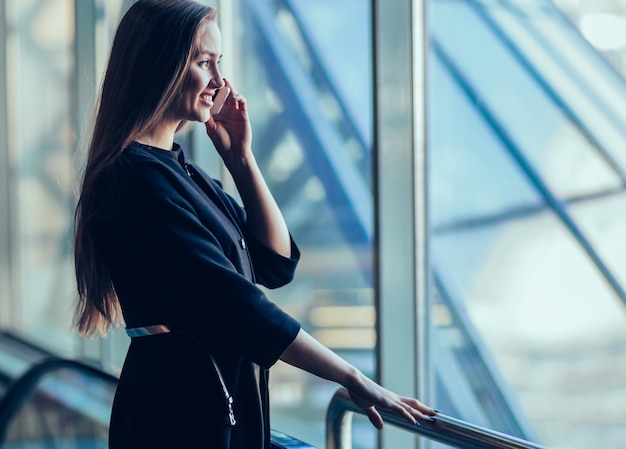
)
(432, 418)
(417, 423)
(436, 411)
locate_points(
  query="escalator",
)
(51, 402)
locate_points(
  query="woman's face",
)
(203, 78)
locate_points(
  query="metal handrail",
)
(445, 429)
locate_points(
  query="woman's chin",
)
(202, 117)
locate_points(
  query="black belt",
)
(157, 329)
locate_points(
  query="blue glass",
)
(340, 34)
(526, 156)
(507, 90)
(306, 75)
(577, 59)
(474, 175)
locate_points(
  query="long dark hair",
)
(150, 55)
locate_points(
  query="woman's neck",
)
(161, 137)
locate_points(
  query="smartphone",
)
(219, 99)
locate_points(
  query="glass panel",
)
(468, 156)
(541, 318)
(572, 68)
(305, 69)
(44, 141)
(525, 114)
(40, 75)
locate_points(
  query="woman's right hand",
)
(230, 129)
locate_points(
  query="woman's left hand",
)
(306, 353)
(230, 129)
(369, 397)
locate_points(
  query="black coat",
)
(181, 254)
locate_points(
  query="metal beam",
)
(6, 201)
(401, 266)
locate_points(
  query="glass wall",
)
(526, 176)
(42, 140)
(526, 154)
(305, 69)
(50, 90)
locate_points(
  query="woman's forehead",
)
(209, 39)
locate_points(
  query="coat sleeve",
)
(184, 263)
(271, 269)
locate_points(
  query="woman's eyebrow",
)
(211, 53)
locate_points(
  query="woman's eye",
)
(204, 64)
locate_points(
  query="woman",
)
(159, 244)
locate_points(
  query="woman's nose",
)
(217, 82)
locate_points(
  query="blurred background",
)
(522, 205)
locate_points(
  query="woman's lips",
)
(207, 100)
